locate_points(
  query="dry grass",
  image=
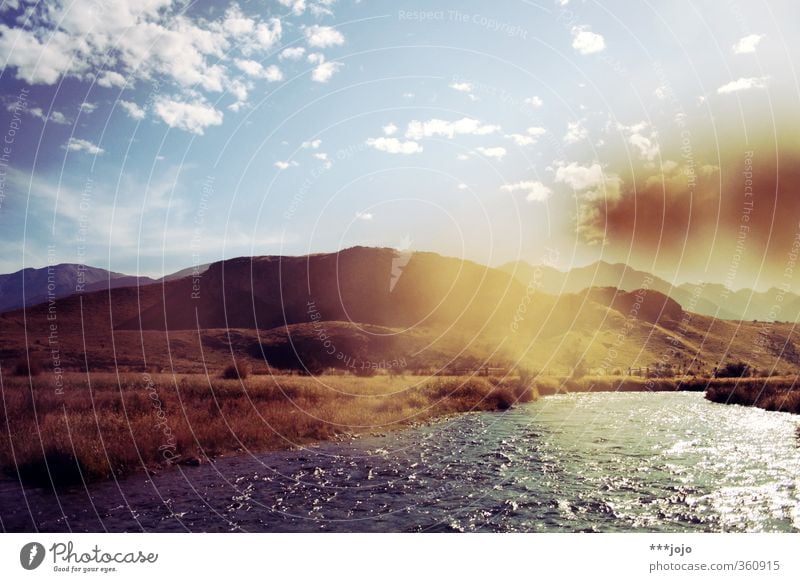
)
(777, 394)
(554, 385)
(119, 424)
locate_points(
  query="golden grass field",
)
(113, 424)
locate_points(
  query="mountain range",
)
(710, 299)
(28, 287)
(31, 286)
(369, 306)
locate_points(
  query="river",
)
(663, 462)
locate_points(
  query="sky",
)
(149, 136)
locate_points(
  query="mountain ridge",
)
(711, 299)
(741, 305)
(364, 303)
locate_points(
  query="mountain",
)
(373, 305)
(621, 276)
(59, 281)
(746, 304)
(30, 286)
(364, 285)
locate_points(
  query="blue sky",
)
(159, 134)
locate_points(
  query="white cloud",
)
(328, 164)
(747, 44)
(364, 215)
(236, 23)
(522, 140)
(54, 116)
(81, 145)
(292, 53)
(296, 6)
(257, 70)
(311, 144)
(438, 127)
(576, 132)
(585, 41)
(648, 148)
(390, 129)
(132, 109)
(272, 73)
(282, 165)
(87, 107)
(323, 36)
(322, 8)
(580, 177)
(249, 67)
(392, 145)
(323, 72)
(463, 186)
(192, 116)
(534, 102)
(239, 89)
(37, 61)
(591, 182)
(152, 41)
(535, 191)
(743, 84)
(643, 138)
(109, 79)
(531, 136)
(493, 152)
(267, 35)
(462, 87)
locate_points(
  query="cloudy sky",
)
(146, 136)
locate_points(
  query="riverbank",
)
(582, 462)
(89, 429)
(780, 394)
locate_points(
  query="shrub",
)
(501, 398)
(234, 372)
(733, 370)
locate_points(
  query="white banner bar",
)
(401, 557)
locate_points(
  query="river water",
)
(580, 462)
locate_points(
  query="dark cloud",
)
(728, 212)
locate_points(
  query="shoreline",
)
(150, 423)
(771, 394)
